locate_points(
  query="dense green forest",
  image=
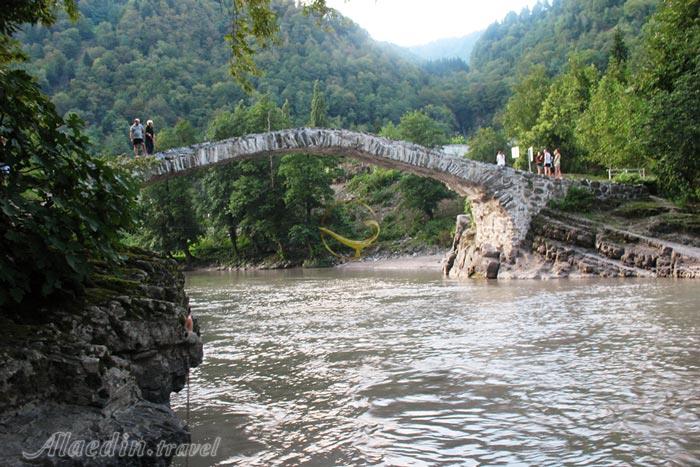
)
(167, 60)
(153, 59)
(605, 82)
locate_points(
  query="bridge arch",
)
(504, 200)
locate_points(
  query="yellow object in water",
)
(357, 245)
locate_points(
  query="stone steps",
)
(606, 250)
(567, 259)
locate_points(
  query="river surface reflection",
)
(329, 367)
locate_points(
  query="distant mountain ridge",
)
(452, 47)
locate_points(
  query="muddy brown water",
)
(332, 367)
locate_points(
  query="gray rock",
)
(110, 369)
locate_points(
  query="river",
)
(329, 367)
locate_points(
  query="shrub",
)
(376, 186)
(60, 208)
(629, 178)
(577, 199)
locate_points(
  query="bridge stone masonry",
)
(504, 201)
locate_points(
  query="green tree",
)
(422, 193)
(257, 206)
(567, 99)
(390, 131)
(227, 124)
(605, 131)
(307, 186)
(168, 216)
(620, 52)
(485, 143)
(212, 204)
(60, 208)
(181, 135)
(523, 108)
(318, 117)
(419, 128)
(669, 83)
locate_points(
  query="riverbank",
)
(414, 262)
(586, 235)
(385, 256)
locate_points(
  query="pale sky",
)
(416, 22)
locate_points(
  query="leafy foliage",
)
(168, 218)
(606, 130)
(577, 200)
(168, 61)
(670, 85)
(420, 193)
(59, 207)
(485, 143)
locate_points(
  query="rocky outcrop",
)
(100, 370)
(477, 250)
(467, 258)
(565, 245)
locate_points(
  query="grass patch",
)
(678, 222)
(639, 209)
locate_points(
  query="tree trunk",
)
(233, 236)
(188, 255)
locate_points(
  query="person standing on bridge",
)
(539, 162)
(500, 159)
(150, 141)
(547, 162)
(136, 133)
(557, 163)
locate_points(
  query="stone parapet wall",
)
(613, 191)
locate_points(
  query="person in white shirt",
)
(547, 162)
(500, 159)
(136, 135)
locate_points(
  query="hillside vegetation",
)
(590, 77)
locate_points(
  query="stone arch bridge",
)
(503, 200)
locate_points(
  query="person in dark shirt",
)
(150, 138)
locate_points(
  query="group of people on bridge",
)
(143, 139)
(548, 164)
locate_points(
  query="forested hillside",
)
(167, 60)
(549, 33)
(585, 77)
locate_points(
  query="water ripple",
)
(331, 368)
